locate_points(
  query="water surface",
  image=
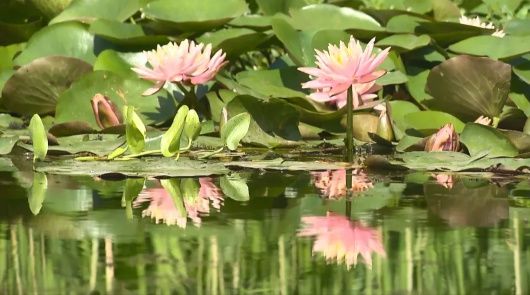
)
(417, 233)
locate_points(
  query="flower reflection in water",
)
(340, 239)
(162, 208)
(444, 179)
(332, 183)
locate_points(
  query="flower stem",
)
(349, 125)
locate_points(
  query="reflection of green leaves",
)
(170, 143)
(35, 87)
(469, 87)
(480, 139)
(134, 130)
(235, 129)
(37, 192)
(133, 186)
(38, 137)
(235, 187)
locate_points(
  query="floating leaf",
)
(37, 193)
(499, 48)
(428, 122)
(35, 87)
(480, 139)
(38, 138)
(235, 129)
(197, 15)
(7, 143)
(234, 41)
(130, 36)
(398, 110)
(66, 39)
(235, 187)
(170, 143)
(469, 87)
(405, 42)
(134, 130)
(90, 10)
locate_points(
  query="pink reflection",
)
(162, 208)
(332, 183)
(444, 179)
(340, 239)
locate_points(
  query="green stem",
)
(212, 153)
(349, 123)
(150, 152)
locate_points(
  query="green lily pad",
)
(7, 143)
(118, 62)
(274, 122)
(74, 104)
(499, 48)
(469, 87)
(517, 27)
(234, 41)
(405, 42)
(446, 33)
(285, 82)
(67, 39)
(428, 122)
(159, 166)
(51, 8)
(100, 144)
(197, 15)
(90, 10)
(326, 16)
(254, 21)
(35, 87)
(7, 53)
(398, 110)
(404, 23)
(270, 7)
(481, 139)
(417, 80)
(131, 36)
(282, 164)
(522, 68)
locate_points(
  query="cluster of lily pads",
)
(445, 80)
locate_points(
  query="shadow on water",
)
(266, 232)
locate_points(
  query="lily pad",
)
(405, 42)
(90, 10)
(428, 122)
(274, 122)
(35, 87)
(131, 36)
(469, 87)
(197, 15)
(287, 165)
(481, 139)
(184, 167)
(234, 41)
(74, 104)
(67, 39)
(326, 16)
(499, 48)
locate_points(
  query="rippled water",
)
(416, 233)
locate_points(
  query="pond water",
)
(416, 233)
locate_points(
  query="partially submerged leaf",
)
(170, 143)
(480, 139)
(38, 137)
(134, 130)
(235, 129)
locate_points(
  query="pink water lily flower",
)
(162, 207)
(446, 139)
(105, 111)
(345, 68)
(186, 62)
(332, 183)
(339, 239)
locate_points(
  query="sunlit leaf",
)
(89, 10)
(134, 130)
(170, 143)
(235, 129)
(480, 139)
(38, 138)
(192, 125)
(498, 48)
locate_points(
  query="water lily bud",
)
(483, 120)
(105, 111)
(446, 139)
(384, 127)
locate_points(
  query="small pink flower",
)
(339, 239)
(345, 68)
(446, 139)
(105, 111)
(163, 209)
(186, 62)
(332, 183)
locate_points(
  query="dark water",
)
(416, 233)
